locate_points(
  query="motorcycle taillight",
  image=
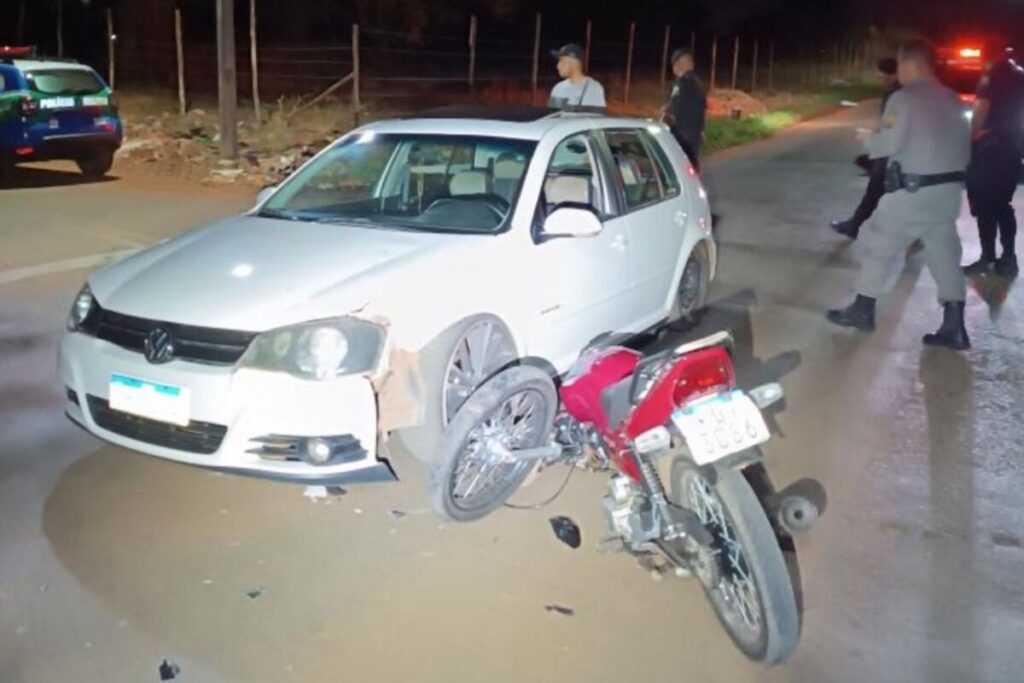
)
(28, 107)
(704, 372)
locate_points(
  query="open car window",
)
(434, 183)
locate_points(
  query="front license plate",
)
(719, 426)
(161, 402)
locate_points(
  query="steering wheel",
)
(495, 202)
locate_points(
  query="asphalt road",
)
(111, 562)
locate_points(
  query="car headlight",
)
(319, 350)
(80, 310)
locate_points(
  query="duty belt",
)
(896, 179)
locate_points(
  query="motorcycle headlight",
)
(319, 350)
(80, 310)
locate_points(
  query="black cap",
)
(571, 50)
(888, 66)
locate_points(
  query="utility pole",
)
(227, 80)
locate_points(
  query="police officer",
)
(687, 108)
(577, 89)
(997, 126)
(874, 167)
(927, 141)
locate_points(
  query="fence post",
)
(753, 78)
(714, 61)
(21, 21)
(586, 50)
(664, 56)
(255, 63)
(472, 51)
(771, 66)
(60, 28)
(111, 39)
(735, 61)
(227, 78)
(357, 101)
(536, 58)
(629, 60)
(181, 61)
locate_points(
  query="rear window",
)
(64, 82)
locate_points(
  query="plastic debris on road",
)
(567, 531)
(168, 670)
(559, 609)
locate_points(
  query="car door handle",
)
(619, 243)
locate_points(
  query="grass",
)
(723, 133)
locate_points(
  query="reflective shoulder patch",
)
(889, 120)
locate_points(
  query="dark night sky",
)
(292, 22)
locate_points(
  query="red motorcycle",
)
(720, 521)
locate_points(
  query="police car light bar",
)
(970, 53)
(20, 51)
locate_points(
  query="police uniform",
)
(995, 167)
(688, 110)
(875, 169)
(926, 139)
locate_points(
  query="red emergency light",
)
(17, 51)
(970, 53)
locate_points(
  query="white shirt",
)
(586, 93)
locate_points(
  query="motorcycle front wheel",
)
(753, 596)
(476, 470)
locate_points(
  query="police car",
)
(55, 109)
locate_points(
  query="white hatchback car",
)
(370, 293)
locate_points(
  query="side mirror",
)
(568, 221)
(264, 194)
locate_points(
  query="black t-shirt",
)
(688, 106)
(1003, 87)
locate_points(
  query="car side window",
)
(573, 176)
(662, 164)
(635, 169)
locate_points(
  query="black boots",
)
(848, 228)
(1006, 266)
(859, 315)
(953, 333)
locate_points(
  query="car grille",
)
(198, 437)
(195, 344)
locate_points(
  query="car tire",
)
(6, 168)
(96, 163)
(422, 441)
(692, 290)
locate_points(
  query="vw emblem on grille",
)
(159, 347)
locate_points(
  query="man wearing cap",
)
(686, 110)
(578, 89)
(875, 167)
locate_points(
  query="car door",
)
(582, 286)
(656, 212)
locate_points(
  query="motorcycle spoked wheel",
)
(475, 471)
(753, 597)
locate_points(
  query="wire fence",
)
(393, 65)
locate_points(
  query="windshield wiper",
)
(282, 215)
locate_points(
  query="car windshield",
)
(434, 183)
(64, 82)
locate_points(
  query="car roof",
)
(522, 123)
(39, 64)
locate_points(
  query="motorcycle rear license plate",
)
(721, 425)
